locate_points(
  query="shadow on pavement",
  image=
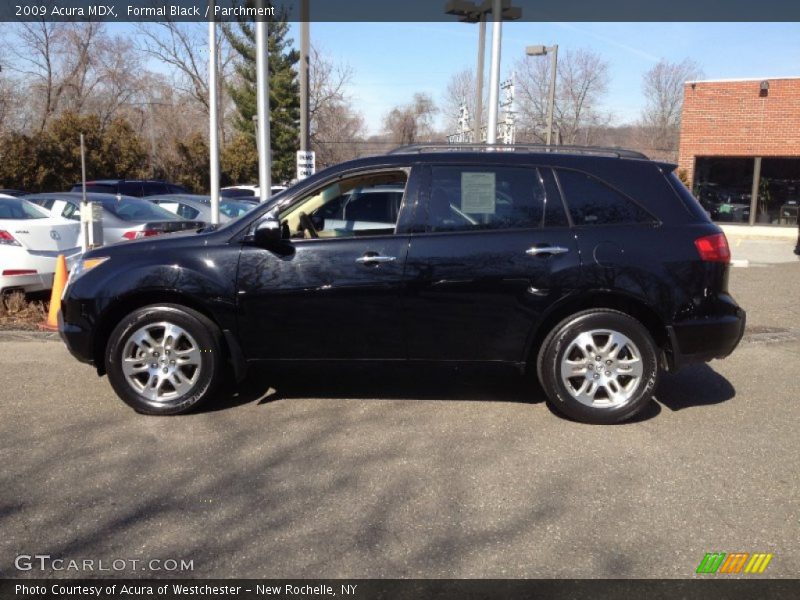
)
(383, 382)
(695, 385)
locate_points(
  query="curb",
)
(24, 335)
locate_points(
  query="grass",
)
(20, 312)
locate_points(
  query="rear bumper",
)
(702, 340)
(26, 283)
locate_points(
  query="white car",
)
(30, 242)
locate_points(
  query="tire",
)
(164, 359)
(589, 390)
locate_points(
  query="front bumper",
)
(77, 340)
(702, 340)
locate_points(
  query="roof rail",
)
(532, 148)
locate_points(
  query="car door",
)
(496, 252)
(333, 289)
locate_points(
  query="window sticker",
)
(478, 193)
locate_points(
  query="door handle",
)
(544, 250)
(374, 258)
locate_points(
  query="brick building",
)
(740, 148)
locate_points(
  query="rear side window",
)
(592, 202)
(71, 212)
(100, 188)
(43, 202)
(470, 198)
(131, 188)
(689, 201)
(187, 212)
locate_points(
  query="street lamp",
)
(553, 51)
(470, 12)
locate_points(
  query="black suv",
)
(138, 188)
(595, 268)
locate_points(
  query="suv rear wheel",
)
(598, 366)
(164, 359)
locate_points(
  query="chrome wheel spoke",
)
(161, 361)
(601, 368)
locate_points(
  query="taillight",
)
(713, 248)
(140, 233)
(8, 239)
(10, 272)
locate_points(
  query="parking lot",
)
(398, 473)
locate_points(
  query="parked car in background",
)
(30, 242)
(192, 206)
(131, 187)
(124, 218)
(12, 193)
(594, 268)
(248, 191)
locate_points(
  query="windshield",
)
(20, 209)
(234, 209)
(132, 209)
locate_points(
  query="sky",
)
(392, 61)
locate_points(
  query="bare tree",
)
(663, 90)
(184, 48)
(411, 122)
(581, 82)
(460, 91)
(336, 128)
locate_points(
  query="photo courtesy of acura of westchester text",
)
(434, 298)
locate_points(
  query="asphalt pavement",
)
(369, 473)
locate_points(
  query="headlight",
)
(82, 266)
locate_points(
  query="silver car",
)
(124, 217)
(194, 206)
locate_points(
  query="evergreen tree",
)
(284, 98)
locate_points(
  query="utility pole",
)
(494, 71)
(551, 94)
(262, 103)
(213, 114)
(479, 76)
(304, 64)
(551, 101)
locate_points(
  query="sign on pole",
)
(306, 165)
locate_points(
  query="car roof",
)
(113, 181)
(91, 196)
(181, 197)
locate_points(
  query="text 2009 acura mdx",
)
(596, 268)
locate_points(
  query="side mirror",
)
(268, 233)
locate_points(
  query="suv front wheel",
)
(164, 359)
(598, 366)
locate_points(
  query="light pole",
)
(469, 12)
(262, 104)
(553, 52)
(213, 118)
(304, 34)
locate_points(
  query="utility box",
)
(92, 224)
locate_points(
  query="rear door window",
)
(471, 198)
(592, 202)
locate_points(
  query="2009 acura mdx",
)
(595, 268)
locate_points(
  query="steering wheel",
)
(308, 225)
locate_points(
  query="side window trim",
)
(563, 197)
